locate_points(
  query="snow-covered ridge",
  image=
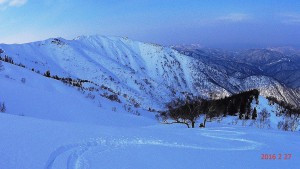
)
(149, 74)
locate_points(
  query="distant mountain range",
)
(153, 75)
(281, 66)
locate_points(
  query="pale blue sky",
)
(217, 23)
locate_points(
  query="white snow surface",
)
(33, 143)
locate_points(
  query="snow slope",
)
(50, 145)
(46, 98)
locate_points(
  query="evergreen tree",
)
(242, 108)
(254, 114)
(248, 109)
(1, 51)
(247, 116)
(232, 109)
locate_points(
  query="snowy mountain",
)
(274, 73)
(149, 75)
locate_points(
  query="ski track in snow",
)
(76, 152)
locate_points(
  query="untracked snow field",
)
(29, 143)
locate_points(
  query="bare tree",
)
(1, 66)
(290, 122)
(2, 107)
(181, 111)
(263, 117)
(192, 109)
(176, 112)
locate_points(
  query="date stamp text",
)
(276, 156)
